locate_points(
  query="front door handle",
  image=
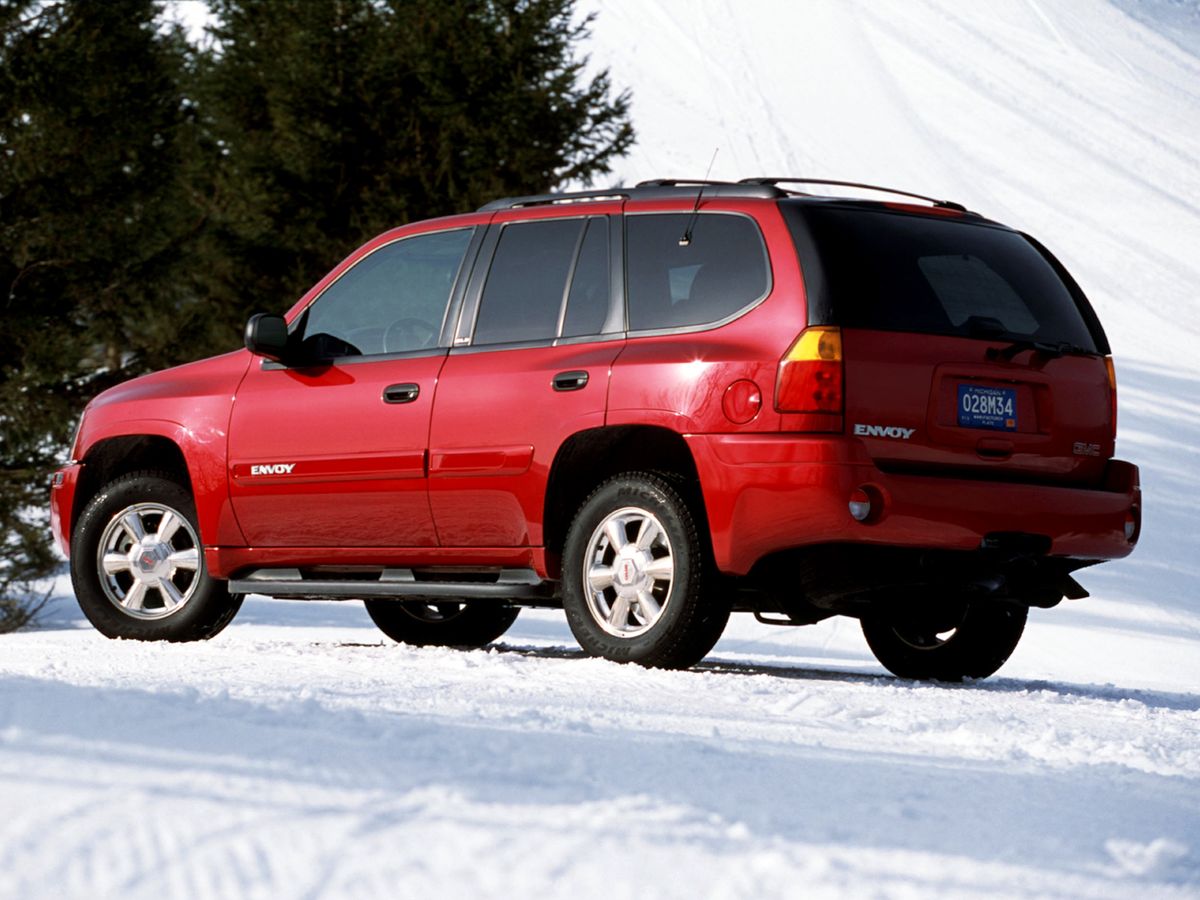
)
(401, 393)
(570, 381)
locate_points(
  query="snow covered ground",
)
(299, 755)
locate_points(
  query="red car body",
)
(306, 467)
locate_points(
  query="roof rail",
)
(944, 204)
(680, 182)
(547, 199)
(659, 189)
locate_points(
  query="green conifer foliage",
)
(95, 223)
(153, 194)
(341, 118)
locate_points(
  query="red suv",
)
(648, 406)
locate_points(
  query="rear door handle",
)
(570, 381)
(401, 393)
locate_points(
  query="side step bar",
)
(393, 584)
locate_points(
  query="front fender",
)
(203, 445)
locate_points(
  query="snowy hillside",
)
(299, 754)
(1074, 121)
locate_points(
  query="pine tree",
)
(153, 194)
(96, 221)
(341, 118)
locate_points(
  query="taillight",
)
(1112, 393)
(810, 373)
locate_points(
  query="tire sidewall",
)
(643, 493)
(477, 624)
(983, 642)
(208, 609)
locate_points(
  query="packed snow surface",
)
(300, 754)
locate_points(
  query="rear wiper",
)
(1051, 349)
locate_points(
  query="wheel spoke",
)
(618, 616)
(135, 597)
(600, 577)
(647, 533)
(614, 528)
(170, 593)
(661, 569)
(186, 559)
(649, 607)
(168, 526)
(116, 562)
(132, 523)
(625, 587)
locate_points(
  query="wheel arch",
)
(588, 458)
(112, 457)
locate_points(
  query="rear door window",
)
(547, 279)
(719, 272)
(525, 285)
(588, 299)
(898, 272)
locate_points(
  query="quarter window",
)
(720, 271)
(391, 301)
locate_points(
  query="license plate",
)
(987, 407)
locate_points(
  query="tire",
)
(969, 641)
(634, 576)
(443, 624)
(149, 588)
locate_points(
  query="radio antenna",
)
(687, 232)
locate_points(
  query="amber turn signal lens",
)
(810, 373)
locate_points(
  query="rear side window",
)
(547, 279)
(895, 272)
(722, 270)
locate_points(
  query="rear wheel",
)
(137, 564)
(634, 576)
(442, 624)
(946, 642)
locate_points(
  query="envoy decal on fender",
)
(273, 469)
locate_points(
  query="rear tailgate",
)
(967, 349)
(930, 403)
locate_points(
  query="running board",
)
(393, 584)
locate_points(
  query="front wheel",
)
(946, 643)
(634, 576)
(442, 624)
(137, 564)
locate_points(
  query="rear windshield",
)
(897, 272)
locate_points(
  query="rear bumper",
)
(62, 504)
(767, 493)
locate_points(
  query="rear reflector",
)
(1112, 393)
(1131, 525)
(860, 505)
(810, 373)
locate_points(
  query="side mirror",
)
(266, 335)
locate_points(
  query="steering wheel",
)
(408, 333)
